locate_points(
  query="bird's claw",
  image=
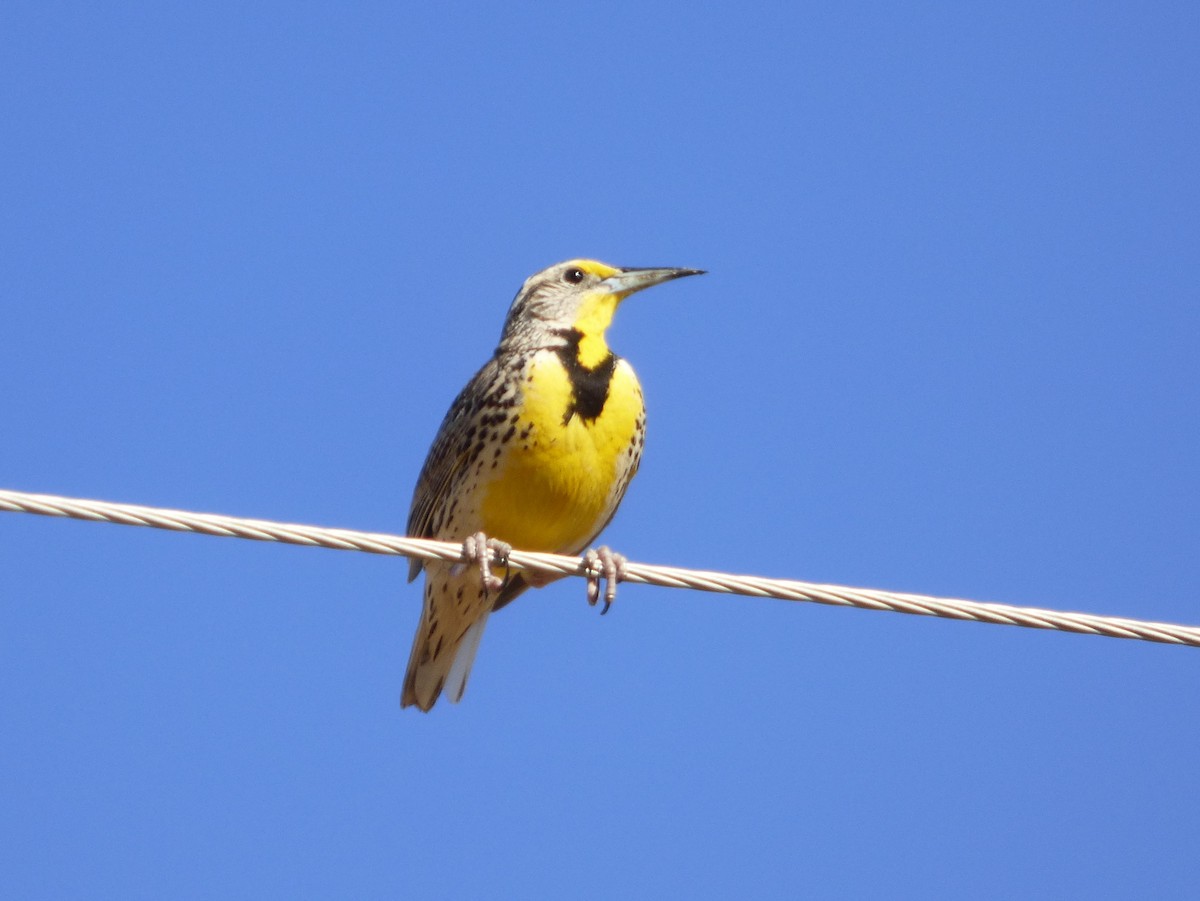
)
(603, 563)
(479, 549)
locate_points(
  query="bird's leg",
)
(603, 563)
(478, 549)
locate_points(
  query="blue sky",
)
(947, 345)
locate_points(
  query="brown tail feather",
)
(454, 604)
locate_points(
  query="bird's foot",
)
(479, 549)
(603, 563)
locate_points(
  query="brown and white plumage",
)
(536, 451)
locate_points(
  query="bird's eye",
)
(574, 276)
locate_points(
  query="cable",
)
(666, 576)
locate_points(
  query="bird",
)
(536, 452)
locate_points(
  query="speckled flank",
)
(537, 451)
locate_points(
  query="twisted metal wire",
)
(666, 576)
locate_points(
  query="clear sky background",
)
(250, 252)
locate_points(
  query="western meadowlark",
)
(536, 452)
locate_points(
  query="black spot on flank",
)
(512, 430)
(516, 417)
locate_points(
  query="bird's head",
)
(576, 296)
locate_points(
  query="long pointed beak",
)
(629, 281)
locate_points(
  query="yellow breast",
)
(559, 478)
